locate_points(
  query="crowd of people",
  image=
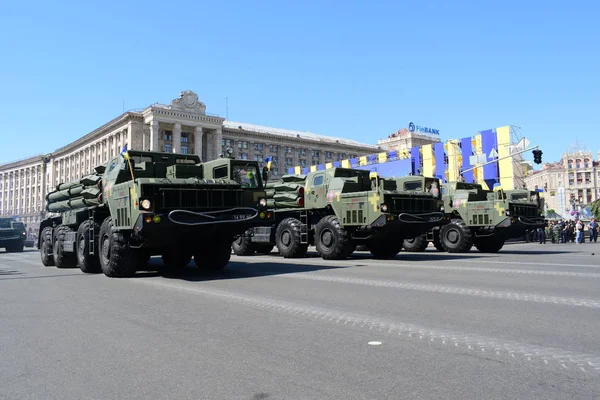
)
(565, 231)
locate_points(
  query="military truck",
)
(141, 204)
(481, 218)
(12, 235)
(337, 209)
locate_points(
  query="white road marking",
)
(523, 263)
(538, 354)
(534, 298)
(374, 343)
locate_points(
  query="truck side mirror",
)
(265, 174)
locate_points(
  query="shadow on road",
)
(234, 270)
(4, 272)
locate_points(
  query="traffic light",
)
(537, 156)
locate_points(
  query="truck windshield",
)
(4, 223)
(245, 175)
(19, 226)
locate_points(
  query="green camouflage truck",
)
(481, 218)
(144, 204)
(12, 235)
(337, 209)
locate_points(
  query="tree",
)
(595, 208)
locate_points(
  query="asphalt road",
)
(523, 323)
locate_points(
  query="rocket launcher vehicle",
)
(80, 193)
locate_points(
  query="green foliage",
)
(595, 207)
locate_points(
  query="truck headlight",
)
(384, 207)
(507, 213)
(146, 204)
(263, 202)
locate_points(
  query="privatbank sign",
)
(417, 128)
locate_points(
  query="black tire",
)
(417, 244)
(214, 257)
(491, 244)
(264, 249)
(382, 248)
(46, 247)
(117, 260)
(243, 246)
(15, 247)
(62, 259)
(331, 240)
(87, 262)
(456, 237)
(176, 258)
(437, 243)
(287, 239)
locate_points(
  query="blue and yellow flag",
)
(269, 160)
(124, 153)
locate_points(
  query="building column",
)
(218, 138)
(153, 145)
(198, 136)
(176, 138)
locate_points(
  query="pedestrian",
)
(579, 232)
(541, 233)
(593, 228)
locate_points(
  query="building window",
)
(243, 156)
(289, 162)
(258, 157)
(227, 143)
(168, 148)
(273, 148)
(168, 136)
(302, 162)
(242, 145)
(274, 171)
(184, 150)
(258, 146)
(315, 153)
(184, 138)
(301, 152)
(275, 159)
(288, 150)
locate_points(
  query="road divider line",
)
(533, 298)
(541, 355)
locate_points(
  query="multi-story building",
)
(573, 180)
(181, 127)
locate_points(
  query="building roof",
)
(295, 134)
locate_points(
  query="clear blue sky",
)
(353, 69)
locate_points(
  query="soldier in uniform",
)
(556, 233)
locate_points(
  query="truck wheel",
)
(243, 246)
(456, 237)
(491, 244)
(46, 247)
(437, 243)
(176, 258)
(385, 248)
(287, 239)
(62, 259)
(214, 257)
(15, 247)
(117, 260)
(264, 249)
(331, 240)
(87, 262)
(417, 244)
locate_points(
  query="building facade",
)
(180, 127)
(575, 180)
(405, 139)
